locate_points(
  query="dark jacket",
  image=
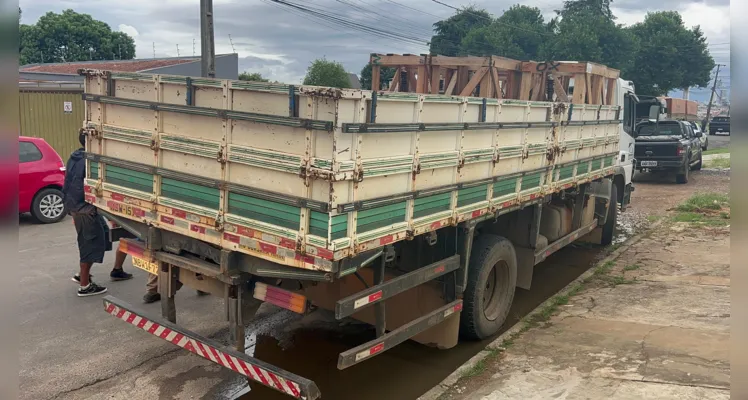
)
(75, 175)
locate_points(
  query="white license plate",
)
(145, 265)
(649, 163)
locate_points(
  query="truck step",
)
(393, 338)
(392, 287)
(254, 369)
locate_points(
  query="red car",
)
(41, 174)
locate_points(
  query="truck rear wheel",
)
(492, 279)
(609, 229)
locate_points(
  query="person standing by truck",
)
(90, 227)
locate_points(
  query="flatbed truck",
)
(417, 213)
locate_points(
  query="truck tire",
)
(683, 177)
(492, 280)
(697, 166)
(47, 206)
(609, 229)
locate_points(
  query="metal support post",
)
(168, 279)
(207, 44)
(576, 219)
(236, 319)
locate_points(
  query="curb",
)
(435, 392)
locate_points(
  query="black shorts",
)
(93, 235)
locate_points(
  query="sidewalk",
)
(653, 324)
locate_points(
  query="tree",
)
(587, 7)
(252, 76)
(670, 55)
(451, 31)
(591, 36)
(518, 34)
(323, 72)
(71, 36)
(385, 74)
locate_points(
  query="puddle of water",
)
(410, 369)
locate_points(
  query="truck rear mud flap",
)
(254, 369)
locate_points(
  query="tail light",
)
(680, 151)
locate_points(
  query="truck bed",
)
(306, 176)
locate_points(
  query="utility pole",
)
(711, 98)
(207, 43)
(231, 41)
(177, 50)
(154, 49)
(193, 47)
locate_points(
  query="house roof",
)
(112, 65)
(355, 83)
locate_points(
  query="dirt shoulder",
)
(652, 323)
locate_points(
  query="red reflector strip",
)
(366, 300)
(132, 248)
(370, 351)
(208, 352)
(231, 238)
(281, 298)
(167, 220)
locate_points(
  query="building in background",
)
(50, 103)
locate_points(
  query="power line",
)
(492, 19)
(344, 21)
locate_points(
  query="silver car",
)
(704, 138)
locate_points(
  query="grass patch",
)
(704, 201)
(653, 218)
(723, 150)
(632, 267)
(711, 209)
(477, 369)
(720, 162)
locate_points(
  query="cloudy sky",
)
(280, 43)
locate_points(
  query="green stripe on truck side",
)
(266, 211)
(472, 195)
(190, 193)
(505, 187)
(94, 172)
(531, 181)
(129, 178)
(425, 206)
(375, 218)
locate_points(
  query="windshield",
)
(721, 119)
(663, 128)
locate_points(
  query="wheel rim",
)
(491, 296)
(51, 206)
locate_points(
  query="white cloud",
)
(128, 29)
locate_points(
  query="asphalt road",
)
(68, 343)
(718, 141)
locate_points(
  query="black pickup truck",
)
(719, 124)
(668, 146)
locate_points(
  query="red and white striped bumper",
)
(252, 368)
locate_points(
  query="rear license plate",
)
(125, 209)
(649, 163)
(145, 265)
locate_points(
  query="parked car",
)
(719, 124)
(41, 174)
(704, 138)
(668, 146)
